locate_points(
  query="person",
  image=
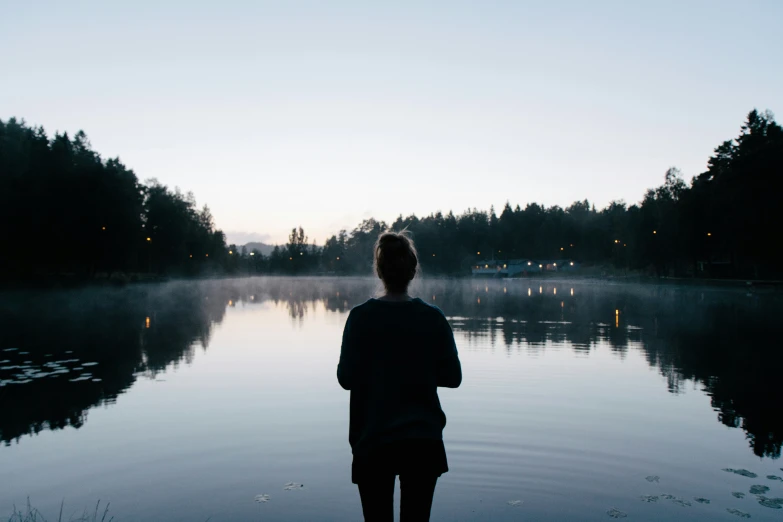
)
(396, 352)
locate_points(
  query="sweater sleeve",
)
(449, 368)
(346, 368)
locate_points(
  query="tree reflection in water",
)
(725, 340)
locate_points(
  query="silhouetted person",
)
(396, 351)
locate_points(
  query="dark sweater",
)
(394, 356)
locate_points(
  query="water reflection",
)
(724, 341)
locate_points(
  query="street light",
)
(230, 252)
(149, 239)
(709, 234)
(252, 253)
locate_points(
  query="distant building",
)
(520, 267)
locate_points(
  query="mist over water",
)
(193, 399)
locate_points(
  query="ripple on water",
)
(649, 498)
(48, 369)
(774, 477)
(289, 486)
(262, 498)
(514, 503)
(738, 513)
(743, 472)
(701, 500)
(652, 478)
(616, 513)
(738, 494)
(758, 489)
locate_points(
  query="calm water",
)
(184, 401)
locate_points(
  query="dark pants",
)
(416, 492)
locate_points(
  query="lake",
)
(583, 401)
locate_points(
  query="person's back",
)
(396, 351)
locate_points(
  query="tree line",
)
(95, 216)
(67, 211)
(723, 224)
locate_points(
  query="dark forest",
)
(69, 213)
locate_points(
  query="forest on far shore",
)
(95, 218)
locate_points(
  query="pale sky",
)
(319, 114)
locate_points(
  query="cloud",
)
(241, 238)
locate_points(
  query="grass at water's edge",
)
(31, 514)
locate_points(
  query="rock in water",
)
(774, 477)
(616, 513)
(701, 500)
(649, 498)
(758, 489)
(773, 503)
(743, 472)
(738, 494)
(737, 512)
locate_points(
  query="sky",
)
(322, 114)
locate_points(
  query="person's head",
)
(396, 261)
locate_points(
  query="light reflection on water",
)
(562, 407)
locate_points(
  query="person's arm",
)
(346, 368)
(449, 368)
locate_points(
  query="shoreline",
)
(69, 283)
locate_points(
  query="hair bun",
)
(396, 261)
